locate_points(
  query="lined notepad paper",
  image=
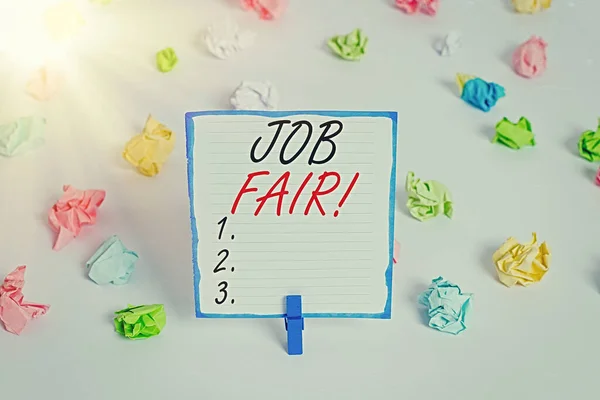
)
(246, 262)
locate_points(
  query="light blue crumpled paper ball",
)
(112, 263)
(448, 306)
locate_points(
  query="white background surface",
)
(533, 343)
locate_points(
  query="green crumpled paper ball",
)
(349, 47)
(21, 135)
(514, 135)
(140, 322)
(589, 144)
(166, 59)
(427, 199)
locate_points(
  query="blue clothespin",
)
(294, 324)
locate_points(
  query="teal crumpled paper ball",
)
(481, 94)
(448, 306)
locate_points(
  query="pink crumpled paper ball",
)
(15, 312)
(266, 9)
(73, 210)
(428, 7)
(529, 59)
(598, 177)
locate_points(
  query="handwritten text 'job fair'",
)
(327, 182)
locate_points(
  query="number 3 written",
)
(223, 289)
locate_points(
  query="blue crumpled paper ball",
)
(447, 306)
(112, 263)
(481, 94)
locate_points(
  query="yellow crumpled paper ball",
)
(531, 6)
(521, 263)
(149, 150)
(63, 20)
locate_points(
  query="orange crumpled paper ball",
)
(73, 210)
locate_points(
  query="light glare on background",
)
(26, 41)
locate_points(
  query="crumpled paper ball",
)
(479, 93)
(589, 144)
(150, 150)
(63, 20)
(449, 44)
(111, 263)
(15, 311)
(166, 60)
(521, 264)
(427, 199)
(529, 59)
(428, 7)
(598, 177)
(44, 83)
(21, 135)
(255, 96)
(448, 307)
(72, 211)
(226, 38)
(531, 6)
(514, 135)
(266, 9)
(351, 47)
(140, 322)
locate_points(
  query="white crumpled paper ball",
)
(449, 44)
(255, 96)
(224, 39)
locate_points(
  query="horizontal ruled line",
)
(324, 260)
(264, 119)
(304, 277)
(296, 251)
(237, 153)
(301, 241)
(298, 287)
(253, 233)
(311, 223)
(246, 172)
(283, 269)
(320, 294)
(317, 265)
(265, 131)
(324, 203)
(297, 185)
(283, 214)
(278, 163)
(240, 254)
(345, 141)
(303, 303)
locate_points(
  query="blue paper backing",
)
(189, 137)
